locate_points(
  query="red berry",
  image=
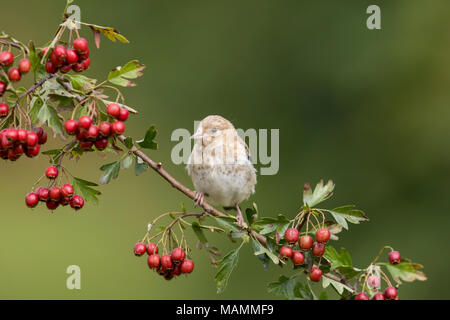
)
(77, 202)
(32, 151)
(2, 88)
(4, 109)
(113, 109)
(101, 144)
(24, 66)
(43, 138)
(65, 68)
(43, 193)
(67, 190)
(298, 258)
(78, 67)
(166, 262)
(32, 139)
(71, 127)
(378, 296)
(44, 51)
(22, 135)
(31, 200)
(291, 235)
(305, 242)
(60, 53)
(322, 235)
(285, 252)
(123, 115)
(86, 63)
(394, 257)
(50, 68)
(178, 255)
(362, 296)
(64, 201)
(52, 205)
(6, 58)
(51, 172)
(118, 127)
(152, 249)
(153, 261)
(84, 55)
(14, 74)
(176, 271)
(92, 132)
(318, 249)
(390, 293)
(12, 135)
(80, 45)
(315, 274)
(104, 128)
(86, 145)
(72, 57)
(187, 266)
(85, 122)
(18, 150)
(55, 193)
(139, 249)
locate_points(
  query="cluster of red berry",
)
(14, 73)
(168, 265)
(54, 196)
(15, 142)
(65, 59)
(305, 243)
(390, 293)
(88, 134)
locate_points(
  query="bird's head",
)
(211, 128)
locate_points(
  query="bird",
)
(220, 165)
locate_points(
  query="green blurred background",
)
(368, 109)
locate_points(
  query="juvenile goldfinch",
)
(220, 165)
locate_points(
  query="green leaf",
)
(148, 142)
(339, 287)
(84, 188)
(323, 295)
(226, 266)
(47, 114)
(80, 82)
(284, 287)
(406, 271)
(127, 162)
(128, 142)
(139, 166)
(321, 193)
(251, 214)
(268, 225)
(121, 75)
(347, 213)
(199, 232)
(111, 172)
(338, 259)
(262, 251)
(109, 32)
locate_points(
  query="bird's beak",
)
(197, 136)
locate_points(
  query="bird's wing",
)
(247, 150)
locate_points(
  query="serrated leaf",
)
(127, 162)
(80, 82)
(111, 172)
(199, 232)
(269, 225)
(228, 223)
(122, 76)
(139, 166)
(84, 188)
(341, 259)
(284, 287)
(48, 115)
(109, 32)
(321, 193)
(251, 214)
(148, 142)
(406, 271)
(339, 287)
(226, 266)
(128, 142)
(347, 213)
(262, 251)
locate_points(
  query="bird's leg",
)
(199, 196)
(239, 217)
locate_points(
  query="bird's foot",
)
(199, 197)
(239, 217)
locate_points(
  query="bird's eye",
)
(213, 130)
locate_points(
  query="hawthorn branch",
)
(191, 194)
(10, 43)
(35, 86)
